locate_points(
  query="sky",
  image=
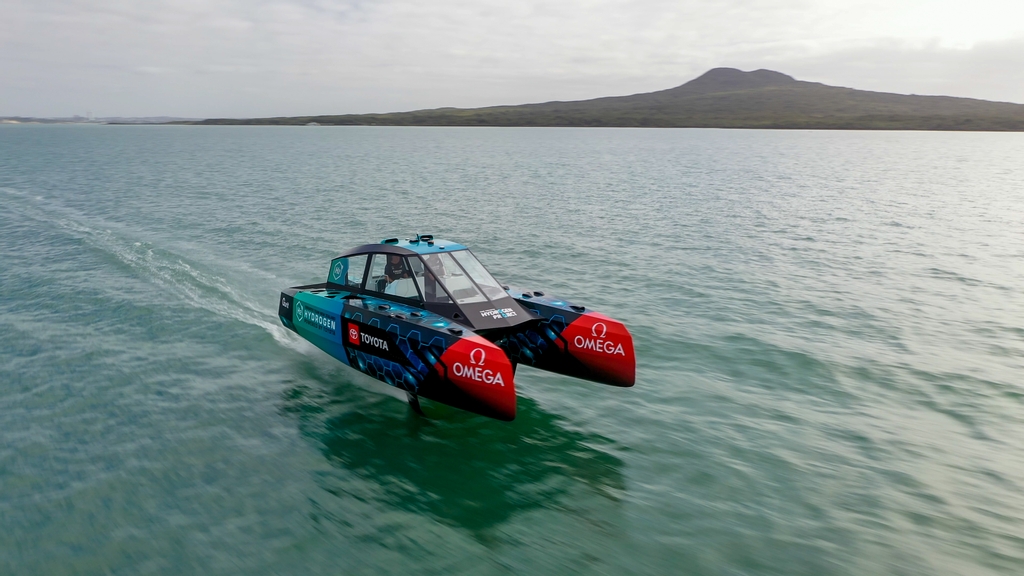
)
(255, 58)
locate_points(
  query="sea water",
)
(829, 333)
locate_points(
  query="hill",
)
(720, 98)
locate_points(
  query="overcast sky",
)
(245, 58)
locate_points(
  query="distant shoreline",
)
(720, 98)
(723, 98)
(778, 128)
(765, 128)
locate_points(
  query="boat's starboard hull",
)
(571, 340)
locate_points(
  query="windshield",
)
(454, 279)
(480, 275)
(462, 276)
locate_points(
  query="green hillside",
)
(721, 98)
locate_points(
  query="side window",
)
(376, 281)
(348, 272)
(392, 275)
(356, 267)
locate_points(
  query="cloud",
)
(988, 70)
(286, 57)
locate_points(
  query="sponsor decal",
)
(598, 343)
(374, 341)
(498, 313)
(338, 269)
(284, 302)
(356, 336)
(604, 347)
(481, 370)
(477, 370)
(318, 319)
(474, 359)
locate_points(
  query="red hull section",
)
(482, 371)
(604, 346)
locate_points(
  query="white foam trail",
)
(193, 286)
(200, 289)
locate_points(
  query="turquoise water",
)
(829, 331)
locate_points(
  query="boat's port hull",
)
(408, 348)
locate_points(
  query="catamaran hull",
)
(571, 340)
(428, 355)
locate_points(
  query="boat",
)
(425, 316)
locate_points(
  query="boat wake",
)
(179, 277)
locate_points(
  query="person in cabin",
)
(396, 269)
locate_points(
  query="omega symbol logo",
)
(598, 343)
(472, 356)
(337, 270)
(476, 371)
